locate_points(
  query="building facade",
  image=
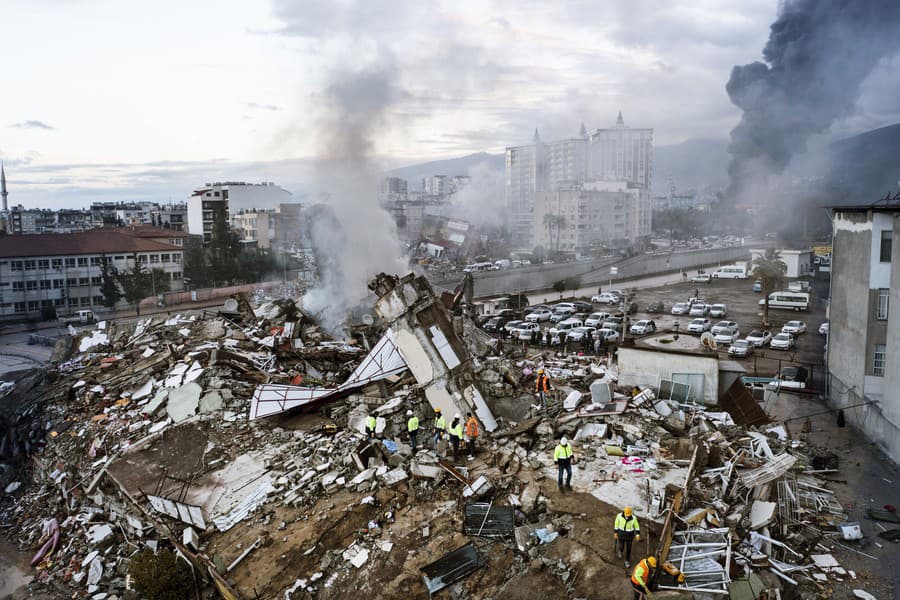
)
(525, 177)
(210, 207)
(622, 153)
(863, 356)
(47, 275)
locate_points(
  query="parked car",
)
(718, 311)
(610, 335)
(564, 327)
(605, 298)
(823, 328)
(740, 348)
(724, 327)
(681, 308)
(782, 341)
(526, 329)
(643, 327)
(563, 305)
(699, 310)
(701, 278)
(561, 314)
(656, 308)
(759, 337)
(539, 316)
(582, 306)
(726, 337)
(579, 333)
(620, 294)
(510, 325)
(698, 325)
(538, 307)
(596, 319)
(614, 323)
(757, 286)
(794, 327)
(495, 323)
(510, 313)
(791, 377)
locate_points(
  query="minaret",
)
(537, 136)
(3, 191)
(620, 121)
(582, 133)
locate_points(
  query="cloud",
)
(258, 106)
(32, 124)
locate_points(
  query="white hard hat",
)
(409, 413)
(457, 416)
(564, 441)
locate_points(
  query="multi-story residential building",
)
(525, 176)
(574, 217)
(622, 153)
(393, 189)
(566, 161)
(255, 226)
(171, 216)
(863, 356)
(44, 275)
(436, 185)
(210, 207)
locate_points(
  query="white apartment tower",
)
(622, 153)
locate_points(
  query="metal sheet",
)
(186, 513)
(489, 521)
(451, 568)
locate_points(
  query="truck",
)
(82, 317)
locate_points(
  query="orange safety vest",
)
(542, 379)
(472, 427)
(641, 573)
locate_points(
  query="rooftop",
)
(93, 241)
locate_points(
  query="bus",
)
(731, 272)
(788, 300)
(475, 267)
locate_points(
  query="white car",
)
(539, 315)
(596, 319)
(562, 305)
(698, 325)
(782, 341)
(759, 337)
(561, 314)
(718, 311)
(740, 348)
(643, 327)
(699, 310)
(726, 337)
(610, 335)
(605, 298)
(681, 308)
(579, 333)
(701, 278)
(512, 325)
(565, 326)
(525, 330)
(794, 327)
(724, 327)
(823, 328)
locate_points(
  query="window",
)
(56, 263)
(20, 307)
(18, 286)
(73, 302)
(59, 302)
(154, 258)
(16, 265)
(33, 305)
(73, 282)
(96, 281)
(82, 261)
(31, 285)
(43, 264)
(57, 284)
(176, 258)
(96, 261)
(176, 275)
(85, 301)
(119, 258)
(70, 263)
(878, 360)
(45, 284)
(98, 299)
(30, 265)
(164, 258)
(887, 243)
(884, 297)
(84, 281)
(142, 258)
(46, 304)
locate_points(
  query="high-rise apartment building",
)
(210, 207)
(622, 153)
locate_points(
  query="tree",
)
(770, 270)
(556, 222)
(161, 576)
(109, 289)
(195, 261)
(160, 282)
(137, 284)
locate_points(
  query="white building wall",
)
(646, 367)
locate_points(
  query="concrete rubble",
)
(239, 441)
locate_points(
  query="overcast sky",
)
(128, 99)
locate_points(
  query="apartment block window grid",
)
(883, 304)
(878, 360)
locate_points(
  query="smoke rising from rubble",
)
(355, 239)
(817, 57)
(483, 201)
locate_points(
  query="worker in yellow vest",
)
(626, 530)
(370, 427)
(440, 425)
(412, 426)
(456, 434)
(562, 455)
(641, 577)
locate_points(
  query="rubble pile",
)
(238, 438)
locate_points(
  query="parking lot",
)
(742, 305)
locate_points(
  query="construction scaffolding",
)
(697, 554)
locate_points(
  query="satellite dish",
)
(368, 319)
(231, 305)
(708, 340)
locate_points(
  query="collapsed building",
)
(237, 439)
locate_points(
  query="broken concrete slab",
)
(211, 402)
(393, 477)
(761, 514)
(183, 401)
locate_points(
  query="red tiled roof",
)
(93, 241)
(148, 231)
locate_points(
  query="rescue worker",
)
(370, 427)
(563, 458)
(471, 434)
(542, 386)
(626, 530)
(412, 426)
(641, 576)
(440, 426)
(456, 434)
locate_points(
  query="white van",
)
(731, 272)
(788, 300)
